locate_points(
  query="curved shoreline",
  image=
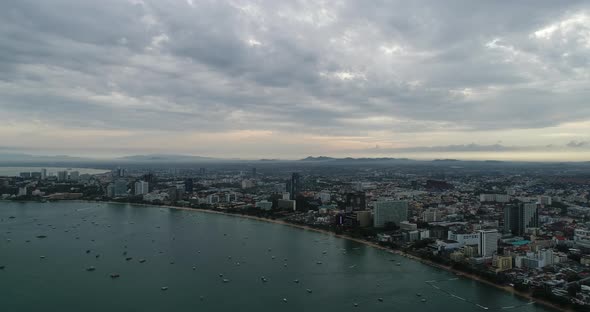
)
(357, 240)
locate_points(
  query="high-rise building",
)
(545, 200)
(363, 218)
(431, 215)
(231, 197)
(294, 185)
(202, 171)
(488, 242)
(25, 175)
(356, 201)
(111, 190)
(141, 188)
(120, 188)
(386, 211)
(254, 172)
(189, 185)
(43, 174)
(119, 172)
(62, 176)
(247, 184)
(518, 218)
(264, 205)
(324, 196)
(150, 178)
(22, 191)
(172, 193)
(74, 176)
(36, 175)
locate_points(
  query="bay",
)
(244, 251)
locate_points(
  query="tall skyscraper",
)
(74, 175)
(356, 201)
(488, 242)
(254, 172)
(386, 211)
(141, 187)
(150, 178)
(188, 185)
(294, 185)
(518, 218)
(119, 172)
(120, 188)
(43, 174)
(62, 176)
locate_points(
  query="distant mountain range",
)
(12, 159)
(165, 158)
(348, 159)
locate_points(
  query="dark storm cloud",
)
(320, 67)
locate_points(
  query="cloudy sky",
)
(287, 79)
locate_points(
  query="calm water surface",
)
(172, 242)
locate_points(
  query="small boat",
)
(129, 258)
(296, 281)
(398, 264)
(380, 299)
(423, 300)
(220, 275)
(419, 294)
(115, 275)
(141, 260)
(2, 267)
(164, 288)
(309, 291)
(97, 256)
(88, 251)
(42, 257)
(90, 268)
(285, 300)
(194, 268)
(319, 262)
(356, 304)
(225, 280)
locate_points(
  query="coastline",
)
(357, 240)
